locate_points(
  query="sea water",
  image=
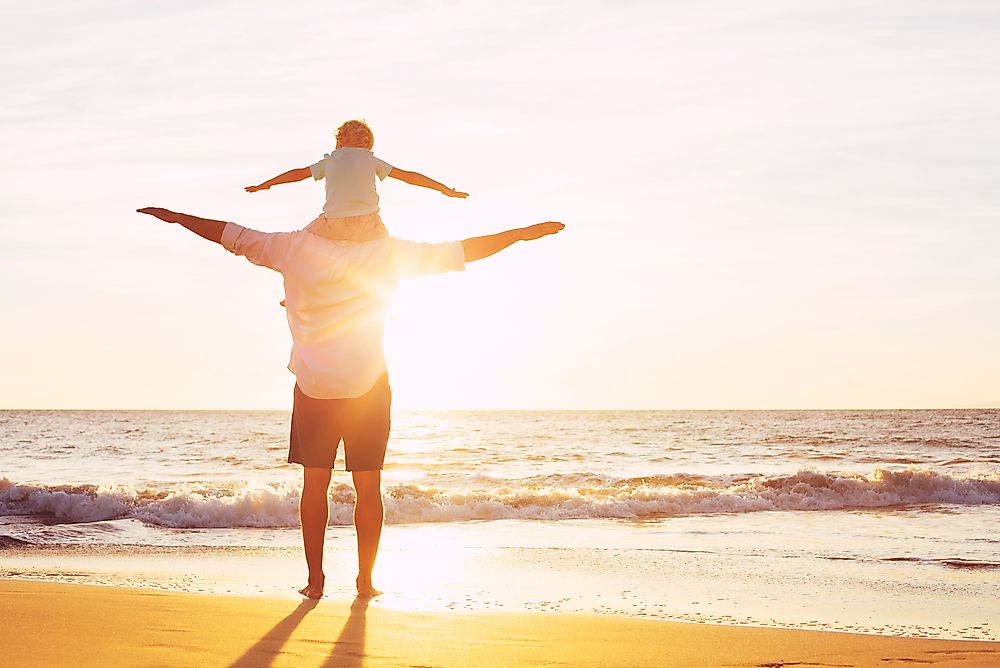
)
(877, 521)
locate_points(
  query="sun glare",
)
(414, 568)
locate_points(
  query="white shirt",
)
(336, 294)
(350, 181)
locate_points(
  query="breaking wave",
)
(552, 497)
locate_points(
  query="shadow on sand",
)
(265, 650)
(348, 649)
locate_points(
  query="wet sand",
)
(65, 624)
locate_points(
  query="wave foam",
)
(576, 496)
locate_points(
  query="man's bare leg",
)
(368, 512)
(314, 512)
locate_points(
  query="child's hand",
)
(451, 192)
(253, 189)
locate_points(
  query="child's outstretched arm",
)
(291, 176)
(417, 179)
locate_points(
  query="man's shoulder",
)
(408, 243)
(420, 257)
(346, 249)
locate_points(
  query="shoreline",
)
(63, 624)
(516, 568)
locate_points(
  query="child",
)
(351, 210)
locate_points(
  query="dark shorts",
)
(318, 425)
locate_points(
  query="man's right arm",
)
(291, 176)
(267, 249)
(206, 228)
(477, 248)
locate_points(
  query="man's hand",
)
(451, 192)
(540, 230)
(163, 214)
(253, 189)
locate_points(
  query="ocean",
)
(872, 521)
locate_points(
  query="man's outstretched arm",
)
(203, 227)
(477, 248)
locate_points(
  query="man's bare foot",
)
(313, 590)
(365, 588)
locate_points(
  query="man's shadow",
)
(348, 649)
(265, 650)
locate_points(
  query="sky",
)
(789, 204)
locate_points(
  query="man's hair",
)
(355, 134)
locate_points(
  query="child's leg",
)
(352, 228)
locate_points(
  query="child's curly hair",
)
(355, 134)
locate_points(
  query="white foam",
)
(576, 496)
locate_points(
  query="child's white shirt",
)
(350, 181)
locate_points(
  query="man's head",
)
(355, 134)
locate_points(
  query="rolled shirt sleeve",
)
(382, 169)
(411, 258)
(267, 249)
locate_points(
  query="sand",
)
(81, 625)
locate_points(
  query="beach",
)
(512, 538)
(55, 624)
(677, 346)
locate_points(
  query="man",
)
(336, 294)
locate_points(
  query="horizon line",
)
(983, 406)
